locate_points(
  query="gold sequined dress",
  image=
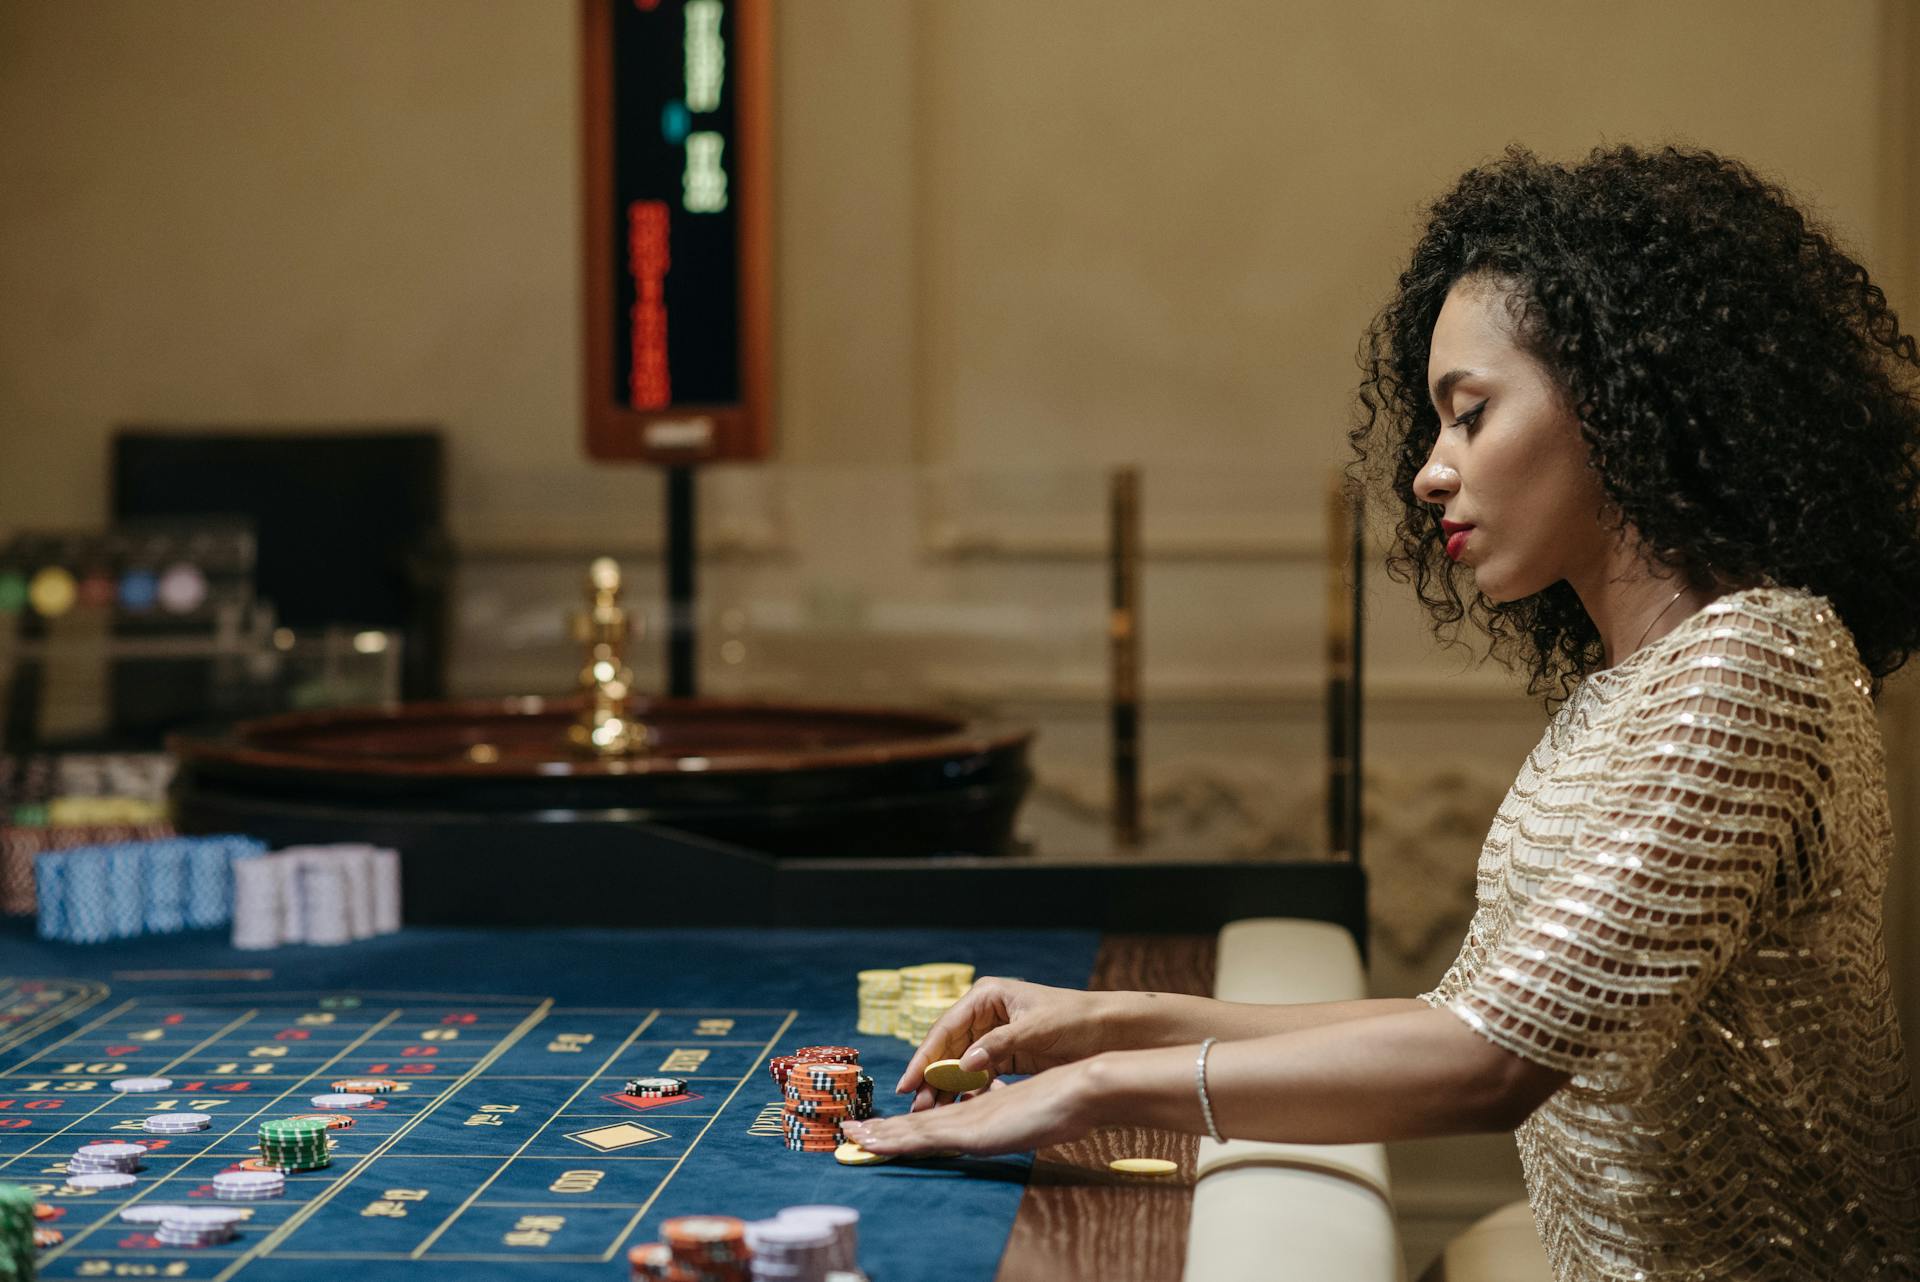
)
(1679, 903)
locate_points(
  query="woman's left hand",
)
(1048, 1108)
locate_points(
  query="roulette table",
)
(507, 1149)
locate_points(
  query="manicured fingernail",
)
(974, 1059)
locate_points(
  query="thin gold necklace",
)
(1656, 618)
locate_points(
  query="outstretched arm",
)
(1405, 1075)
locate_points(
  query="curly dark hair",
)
(1747, 394)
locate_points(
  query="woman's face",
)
(1509, 460)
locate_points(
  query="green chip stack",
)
(294, 1144)
(16, 1234)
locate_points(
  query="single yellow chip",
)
(1143, 1166)
(947, 1075)
(851, 1154)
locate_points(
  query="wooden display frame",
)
(692, 432)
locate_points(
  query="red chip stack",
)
(781, 1065)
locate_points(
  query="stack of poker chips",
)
(879, 1002)
(91, 894)
(813, 1243)
(294, 1144)
(199, 1225)
(316, 895)
(56, 801)
(655, 1087)
(790, 1250)
(176, 1123)
(800, 1244)
(104, 1166)
(16, 1233)
(926, 991)
(248, 1186)
(820, 1098)
(697, 1248)
(782, 1067)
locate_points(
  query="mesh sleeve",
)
(1465, 962)
(1707, 807)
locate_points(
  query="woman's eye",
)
(1471, 417)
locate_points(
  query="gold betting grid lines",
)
(513, 1082)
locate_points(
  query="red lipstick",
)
(1456, 532)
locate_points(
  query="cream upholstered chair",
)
(1501, 1247)
(1321, 1212)
(1312, 1212)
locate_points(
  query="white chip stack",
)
(386, 890)
(841, 1222)
(111, 1157)
(259, 890)
(806, 1244)
(148, 1214)
(199, 1225)
(176, 1123)
(141, 1085)
(316, 895)
(324, 900)
(248, 1186)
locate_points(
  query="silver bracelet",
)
(1200, 1085)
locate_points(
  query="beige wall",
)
(1013, 237)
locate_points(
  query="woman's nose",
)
(1437, 481)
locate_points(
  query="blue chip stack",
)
(96, 893)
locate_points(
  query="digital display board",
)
(678, 240)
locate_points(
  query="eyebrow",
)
(1447, 380)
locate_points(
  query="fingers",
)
(993, 1051)
(925, 1132)
(982, 1008)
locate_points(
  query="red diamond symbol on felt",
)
(641, 1105)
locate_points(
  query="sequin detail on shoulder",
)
(1679, 904)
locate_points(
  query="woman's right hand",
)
(1012, 1026)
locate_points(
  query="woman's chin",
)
(1495, 587)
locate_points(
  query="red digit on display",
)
(413, 1052)
(292, 1035)
(459, 1019)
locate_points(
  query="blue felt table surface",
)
(511, 1153)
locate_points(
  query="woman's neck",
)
(1632, 610)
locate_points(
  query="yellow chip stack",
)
(879, 1002)
(926, 991)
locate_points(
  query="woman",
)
(1666, 432)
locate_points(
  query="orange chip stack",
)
(822, 1087)
(819, 1098)
(651, 1262)
(704, 1248)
